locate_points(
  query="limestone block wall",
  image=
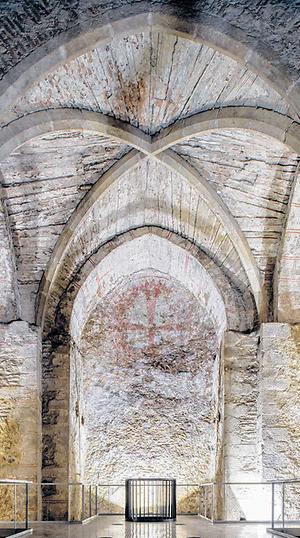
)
(20, 428)
(261, 420)
(55, 424)
(288, 267)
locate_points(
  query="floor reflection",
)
(116, 527)
(164, 529)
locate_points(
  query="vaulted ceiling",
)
(150, 128)
(150, 80)
(150, 200)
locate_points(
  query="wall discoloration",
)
(149, 360)
(9, 442)
(27, 26)
(20, 426)
(150, 80)
(131, 376)
(135, 200)
(9, 293)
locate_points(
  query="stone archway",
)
(83, 292)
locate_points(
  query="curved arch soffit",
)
(273, 124)
(37, 124)
(128, 162)
(147, 252)
(239, 303)
(277, 126)
(78, 40)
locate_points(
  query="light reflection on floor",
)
(116, 527)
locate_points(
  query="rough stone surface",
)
(287, 302)
(26, 25)
(161, 255)
(20, 412)
(241, 406)
(150, 373)
(9, 297)
(280, 410)
(242, 461)
(280, 351)
(138, 263)
(43, 182)
(121, 265)
(150, 80)
(254, 176)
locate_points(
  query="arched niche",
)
(148, 316)
(237, 302)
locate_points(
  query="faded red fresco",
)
(132, 333)
(149, 360)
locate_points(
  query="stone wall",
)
(28, 24)
(20, 427)
(142, 389)
(241, 435)
(280, 408)
(287, 276)
(55, 423)
(150, 367)
(261, 420)
(9, 297)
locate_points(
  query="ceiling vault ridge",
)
(274, 124)
(242, 296)
(278, 126)
(224, 215)
(126, 163)
(176, 164)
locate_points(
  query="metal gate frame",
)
(140, 492)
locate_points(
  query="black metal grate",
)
(150, 499)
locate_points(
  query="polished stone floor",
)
(115, 527)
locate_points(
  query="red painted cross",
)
(152, 290)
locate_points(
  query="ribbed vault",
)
(148, 157)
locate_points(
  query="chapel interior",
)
(150, 268)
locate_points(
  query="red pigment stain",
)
(152, 292)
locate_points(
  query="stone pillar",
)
(9, 295)
(77, 445)
(241, 440)
(280, 408)
(55, 424)
(20, 428)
